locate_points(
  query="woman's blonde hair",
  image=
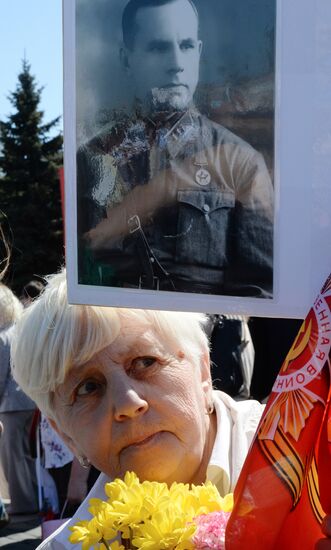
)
(52, 336)
(10, 307)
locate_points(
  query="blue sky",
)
(32, 28)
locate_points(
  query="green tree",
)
(30, 202)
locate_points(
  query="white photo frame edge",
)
(295, 285)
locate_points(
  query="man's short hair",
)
(129, 27)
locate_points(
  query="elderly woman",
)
(16, 413)
(130, 390)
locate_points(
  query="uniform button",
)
(206, 207)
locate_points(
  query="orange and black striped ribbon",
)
(286, 461)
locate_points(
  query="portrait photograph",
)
(175, 145)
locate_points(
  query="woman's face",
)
(138, 406)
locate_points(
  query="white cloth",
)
(236, 425)
(247, 359)
(237, 422)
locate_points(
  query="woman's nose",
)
(127, 400)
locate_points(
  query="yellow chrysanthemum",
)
(116, 546)
(149, 514)
(178, 489)
(180, 496)
(165, 531)
(227, 505)
(126, 498)
(106, 524)
(87, 533)
(130, 509)
(155, 497)
(206, 498)
(115, 489)
(96, 505)
(135, 502)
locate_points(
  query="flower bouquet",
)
(153, 516)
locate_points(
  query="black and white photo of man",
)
(168, 199)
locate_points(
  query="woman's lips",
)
(141, 442)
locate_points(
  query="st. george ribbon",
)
(284, 489)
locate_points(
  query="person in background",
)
(4, 518)
(4, 262)
(272, 339)
(71, 479)
(16, 414)
(231, 354)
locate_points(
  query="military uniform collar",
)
(177, 130)
(170, 132)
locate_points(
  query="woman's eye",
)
(142, 363)
(87, 388)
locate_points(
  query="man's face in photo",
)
(164, 60)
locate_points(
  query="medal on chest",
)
(202, 177)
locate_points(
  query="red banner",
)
(284, 489)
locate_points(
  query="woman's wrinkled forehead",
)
(166, 329)
(172, 333)
(138, 335)
(176, 331)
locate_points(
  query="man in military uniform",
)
(170, 200)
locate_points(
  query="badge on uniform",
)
(202, 177)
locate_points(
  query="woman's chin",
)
(155, 460)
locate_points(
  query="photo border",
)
(296, 282)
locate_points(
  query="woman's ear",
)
(206, 380)
(65, 438)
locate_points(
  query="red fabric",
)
(277, 499)
(324, 461)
